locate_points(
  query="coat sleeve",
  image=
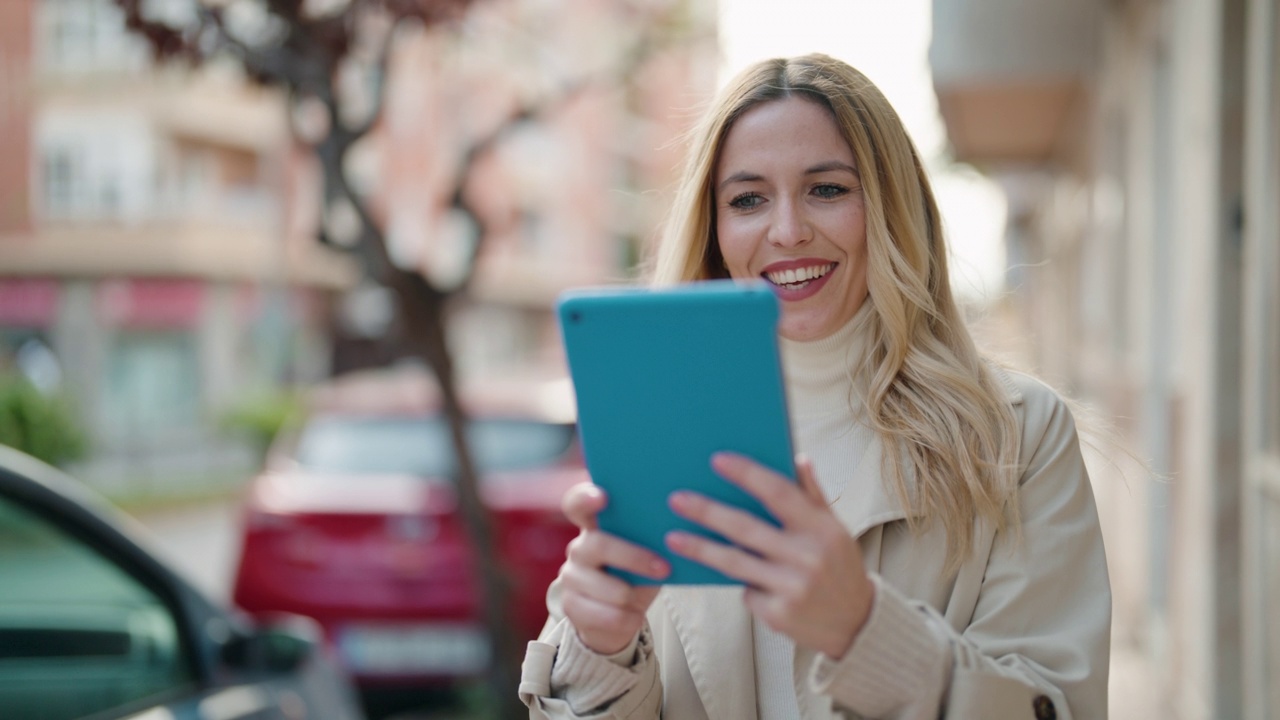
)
(1038, 643)
(562, 678)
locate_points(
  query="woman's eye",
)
(828, 191)
(746, 201)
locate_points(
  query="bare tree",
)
(305, 48)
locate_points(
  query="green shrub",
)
(261, 417)
(40, 425)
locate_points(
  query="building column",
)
(1260, 571)
(1207, 40)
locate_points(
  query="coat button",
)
(1044, 708)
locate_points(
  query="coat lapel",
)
(714, 628)
(865, 501)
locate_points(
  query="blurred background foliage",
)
(39, 424)
(259, 417)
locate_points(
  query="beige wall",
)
(1138, 253)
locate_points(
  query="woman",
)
(940, 556)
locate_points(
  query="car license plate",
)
(414, 649)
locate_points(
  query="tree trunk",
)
(422, 314)
(426, 310)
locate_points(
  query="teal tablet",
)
(664, 379)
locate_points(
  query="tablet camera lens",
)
(575, 317)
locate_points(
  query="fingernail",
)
(659, 569)
(677, 540)
(680, 500)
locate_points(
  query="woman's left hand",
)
(805, 579)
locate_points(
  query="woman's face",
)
(789, 209)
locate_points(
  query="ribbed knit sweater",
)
(822, 402)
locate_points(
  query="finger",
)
(809, 481)
(732, 561)
(783, 498)
(644, 595)
(582, 502)
(738, 526)
(603, 587)
(598, 549)
(766, 607)
(588, 613)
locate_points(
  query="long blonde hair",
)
(950, 436)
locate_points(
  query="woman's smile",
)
(794, 280)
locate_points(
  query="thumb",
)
(808, 481)
(581, 503)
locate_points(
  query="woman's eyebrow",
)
(831, 165)
(742, 176)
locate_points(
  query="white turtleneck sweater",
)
(824, 426)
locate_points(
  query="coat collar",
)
(1013, 392)
(867, 500)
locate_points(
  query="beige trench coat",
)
(1023, 628)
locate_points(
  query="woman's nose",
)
(789, 227)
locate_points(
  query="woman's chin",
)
(803, 329)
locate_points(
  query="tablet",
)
(664, 378)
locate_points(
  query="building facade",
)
(1139, 145)
(142, 268)
(158, 225)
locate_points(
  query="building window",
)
(75, 183)
(62, 179)
(84, 36)
(94, 167)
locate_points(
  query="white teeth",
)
(801, 275)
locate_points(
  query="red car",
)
(355, 523)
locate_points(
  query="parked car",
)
(355, 523)
(93, 625)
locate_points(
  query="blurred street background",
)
(1109, 174)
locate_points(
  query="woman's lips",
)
(797, 280)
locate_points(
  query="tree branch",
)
(379, 91)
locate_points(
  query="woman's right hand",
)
(606, 610)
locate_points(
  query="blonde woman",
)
(940, 556)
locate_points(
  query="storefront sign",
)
(151, 303)
(28, 302)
